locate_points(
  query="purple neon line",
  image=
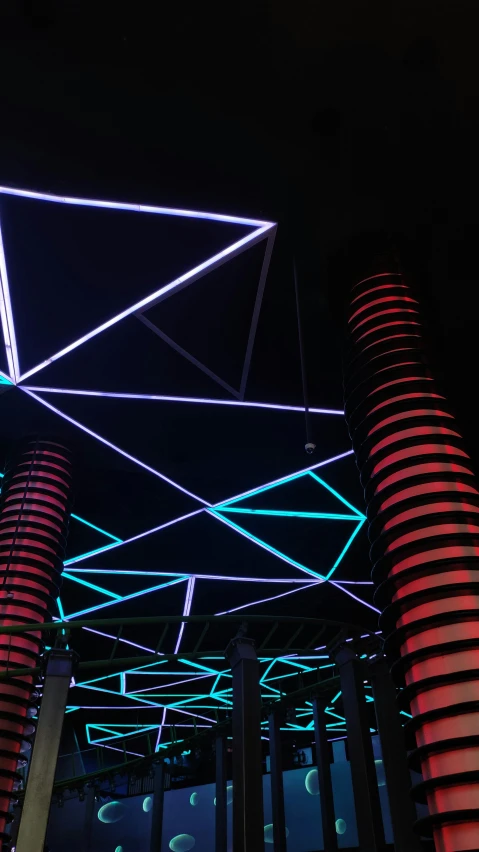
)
(136, 537)
(190, 587)
(7, 317)
(125, 641)
(274, 598)
(355, 582)
(369, 606)
(160, 730)
(134, 208)
(189, 276)
(112, 748)
(175, 683)
(274, 482)
(191, 399)
(256, 311)
(117, 449)
(196, 576)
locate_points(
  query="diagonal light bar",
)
(336, 494)
(6, 315)
(355, 597)
(190, 587)
(92, 586)
(130, 572)
(266, 600)
(256, 311)
(133, 208)
(191, 399)
(126, 598)
(114, 447)
(283, 479)
(158, 295)
(94, 527)
(263, 544)
(280, 513)
(346, 548)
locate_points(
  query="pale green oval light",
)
(268, 833)
(112, 812)
(181, 843)
(147, 804)
(340, 826)
(311, 782)
(194, 799)
(119, 849)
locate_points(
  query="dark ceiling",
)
(354, 126)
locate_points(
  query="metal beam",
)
(328, 819)
(221, 831)
(158, 806)
(41, 775)
(277, 789)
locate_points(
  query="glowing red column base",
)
(423, 509)
(34, 513)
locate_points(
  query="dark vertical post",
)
(330, 837)
(363, 770)
(41, 774)
(89, 814)
(221, 831)
(277, 791)
(158, 804)
(393, 747)
(248, 820)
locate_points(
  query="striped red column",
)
(34, 513)
(423, 512)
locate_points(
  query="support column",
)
(363, 770)
(393, 747)
(248, 818)
(221, 830)
(158, 806)
(34, 514)
(89, 816)
(41, 774)
(277, 790)
(328, 819)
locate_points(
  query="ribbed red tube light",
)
(34, 514)
(423, 511)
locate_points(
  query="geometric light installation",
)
(423, 510)
(184, 693)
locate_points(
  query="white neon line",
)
(275, 597)
(153, 298)
(135, 208)
(81, 558)
(191, 399)
(256, 311)
(169, 685)
(125, 641)
(112, 748)
(7, 317)
(354, 597)
(200, 576)
(126, 598)
(282, 479)
(117, 449)
(190, 587)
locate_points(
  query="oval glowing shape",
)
(181, 843)
(119, 849)
(112, 812)
(268, 833)
(194, 799)
(340, 826)
(147, 804)
(311, 782)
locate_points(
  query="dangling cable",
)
(309, 446)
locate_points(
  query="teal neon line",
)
(214, 685)
(261, 490)
(196, 665)
(297, 665)
(263, 678)
(280, 513)
(343, 500)
(267, 546)
(92, 586)
(336, 715)
(126, 597)
(89, 553)
(98, 529)
(333, 700)
(345, 548)
(133, 697)
(60, 609)
(71, 709)
(403, 713)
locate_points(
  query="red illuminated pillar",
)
(423, 511)
(34, 512)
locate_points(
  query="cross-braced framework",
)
(159, 686)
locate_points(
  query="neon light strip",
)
(98, 529)
(347, 592)
(280, 513)
(265, 600)
(346, 547)
(186, 610)
(191, 399)
(114, 447)
(200, 576)
(336, 494)
(92, 586)
(157, 296)
(265, 546)
(125, 641)
(7, 318)
(283, 479)
(133, 208)
(112, 748)
(256, 311)
(89, 553)
(126, 598)
(355, 582)
(174, 683)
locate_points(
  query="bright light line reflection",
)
(346, 547)
(197, 576)
(336, 494)
(157, 295)
(94, 527)
(114, 447)
(125, 641)
(186, 610)
(126, 598)
(347, 592)
(7, 318)
(273, 598)
(202, 401)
